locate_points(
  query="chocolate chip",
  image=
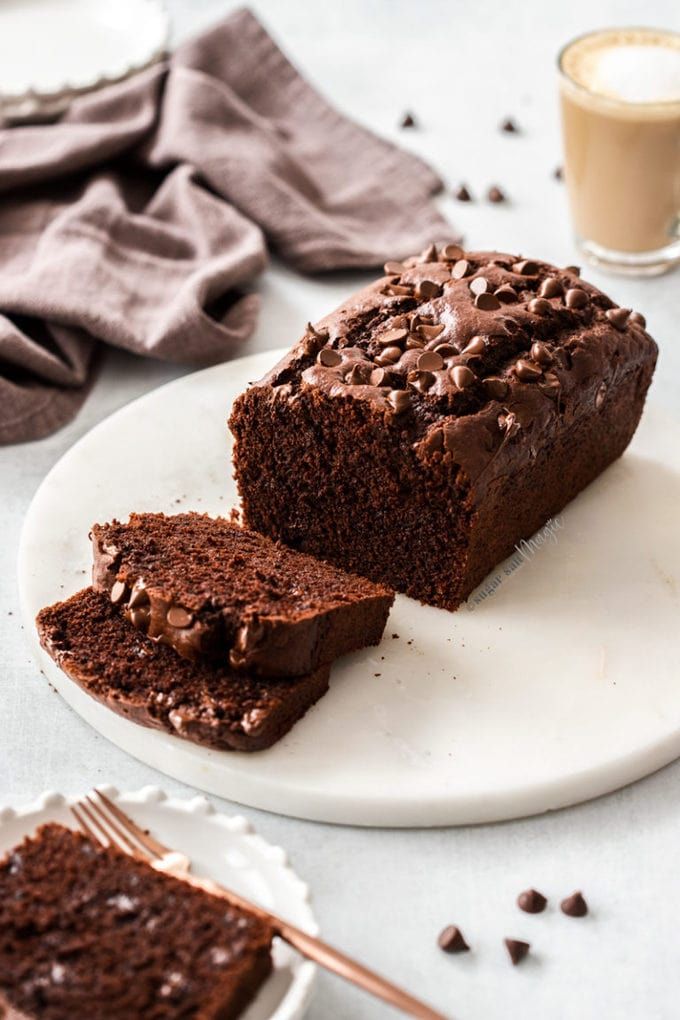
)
(507, 422)
(558, 173)
(487, 302)
(429, 255)
(600, 395)
(434, 441)
(429, 361)
(618, 317)
(509, 126)
(358, 376)
(517, 950)
(320, 334)
(377, 377)
(494, 194)
(574, 270)
(574, 905)
(460, 269)
(540, 306)
(462, 194)
(531, 901)
(398, 290)
(414, 343)
(392, 336)
(178, 617)
(328, 357)
(551, 288)
(140, 617)
(408, 121)
(639, 319)
(476, 346)
(525, 268)
(446, 350)
(430, 332)
(427, 289)
(399, 400)
(506, 294)
(576, 298)
(394, 268)
(496, 387)
(527, 371)
(541, 354)
(550, 385)
(451, 252)
(479, 285)
(420, 380)
(462, 376)
(510, 326)
(118, 592)
(388, 356)
(139, 596)
(451, 940)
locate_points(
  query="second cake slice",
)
(211, 589)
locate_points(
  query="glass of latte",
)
(620, 101)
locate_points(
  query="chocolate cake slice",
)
(147, 682)
(88, 933)
(441, 415)
(211, 589)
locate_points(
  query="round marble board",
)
(559, 680)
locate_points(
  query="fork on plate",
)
(103, 821)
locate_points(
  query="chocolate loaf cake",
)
(147, 682)
(210, 589)
(88, 933)
(440, 416)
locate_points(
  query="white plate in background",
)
(563, 685)
(220, 847)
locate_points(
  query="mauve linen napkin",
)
(137, 219)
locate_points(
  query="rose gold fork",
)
(104, 822)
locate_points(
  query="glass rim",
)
(614, 100)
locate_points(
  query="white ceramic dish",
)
(222, 848)
(561, 686)
(52, 50)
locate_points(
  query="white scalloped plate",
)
(221, 847)
(52, 50)
(561, 686)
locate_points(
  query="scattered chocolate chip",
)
(550, 385)
(574, 905)
(430, 254)
(451, 940)
(551, 288)
(494, 194)
(462, 194)
(328, 357)
(496, 387)
(392, 336)
(510, 326)
(427, 332)
(414, 343)
(140, 617)
(600, 395)
(476, 346)
(525, 268)
(408, 121)
(451, 252)
(517, 950)
(618, 317)
(320, 334)
(541, 354)
(429, 361)
(398, 290)
(460, 269)
(479, 285)
(139, 596)
(639, 319)
(427, 289)
(506, 294)
(377, 377)
(400, 400)
(388, 356)
(574, 270)
(118, 592)
(358, 375)
(394, 268)
(487, 302)
(178, 617)
(531, 901)
(462, 376)
(509, 126)
(558, 173)
(420, 380)
(446, 350)
(576, 298)
(540, 306)
(527, 371)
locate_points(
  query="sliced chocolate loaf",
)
(88, 933)
(211, 589)
(439, 417)
(147, 682)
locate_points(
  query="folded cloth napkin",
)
(138, 217)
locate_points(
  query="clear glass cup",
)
(621, 157)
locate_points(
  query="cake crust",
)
(446, 411)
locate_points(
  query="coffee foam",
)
(636, 66)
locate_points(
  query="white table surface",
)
(384, 895)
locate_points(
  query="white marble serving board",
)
(561, 685)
